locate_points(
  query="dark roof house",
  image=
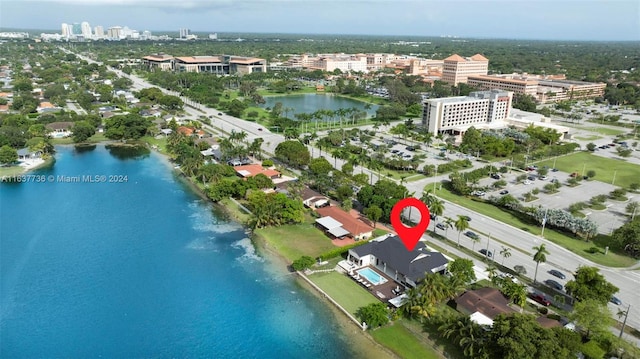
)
(392, 257)
(488, 301)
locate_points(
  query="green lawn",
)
(161, 143)
(296, 240)
(402, 342)
(604, 130)
(575, 245)
(625, 172)
(343, 290)
(588, 138)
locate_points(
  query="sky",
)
(599, 20)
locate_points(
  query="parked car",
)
(485, 252)
(441, 226)
(495, 176)
(554, 170)
(574, 174)
(553, 284)
(527, 182)
(543, 178)
(219, 113)
(557, 273)
(615, 300)
(504, 191)
(470, 234)
(540, 298)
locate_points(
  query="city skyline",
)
(596, 20)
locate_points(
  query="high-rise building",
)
(114, 32)
(66, 30)
(85, 29)
(456, 114)
(184, 33)
(76, 29)
(456, 68)
(99, 32)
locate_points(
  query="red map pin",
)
(410, 235)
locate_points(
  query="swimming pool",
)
(372, 276)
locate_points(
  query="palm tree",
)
(448, 222)
(539, 256)
(505, 253)
(492, 271)
(461, 224)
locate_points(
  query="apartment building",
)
(456, 69)
(454, 115)
(342, 62)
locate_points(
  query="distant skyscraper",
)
(99, 32)
(114, 32)
(77, 29)
(66, 30)
(184, 33)
(213, 36)
(85, 28)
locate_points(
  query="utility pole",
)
(434, 183)
(624, 323)
(544, 222)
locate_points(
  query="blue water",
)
(142, 269)
(372, 276)
(309, 103)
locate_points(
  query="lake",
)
(142, 268)
(309, 103)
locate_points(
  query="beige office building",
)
(454, 115)
(457, 69)
(513, 83)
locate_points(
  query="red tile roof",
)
(455, 57)
(254, 170)
(478, 57)
(355, 226)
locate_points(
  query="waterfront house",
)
(25, 154)
(252, 170)
(483, 305)
(340, 224)
(390, 256)
(59, 129)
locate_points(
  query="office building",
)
(184, 33)
(454, 115)
(67, 31)
(544, 89)
(457, 69)
(76, 29)
(114, 32)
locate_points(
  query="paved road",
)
(519, 241)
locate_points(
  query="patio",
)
(384, 292)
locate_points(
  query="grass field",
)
(402, 342)
(343, 290)
(575, 245)
(588, 138)
(604, 130)
(625, 172)
(296, 240)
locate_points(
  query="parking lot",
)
(607, 220)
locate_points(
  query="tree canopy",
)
(589, 284)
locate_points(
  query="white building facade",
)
(456, 114)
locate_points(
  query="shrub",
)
(535, 191)
(543, 310)
(267, 163)
(303, 263)
(339, 251)
(374, 314)
(593, 250)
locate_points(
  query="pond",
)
(309, 103)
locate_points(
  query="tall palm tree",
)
(539, 256)
(448, 223)
(436, 208)
(461, 224)
(505, 253)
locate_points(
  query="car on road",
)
(540, 298)
(441, 226)
(557, 273)
(553, 284)
(219, 113)
(615, 300)
(471, 234)
(504, 191)
(485, 252)
(467, 218)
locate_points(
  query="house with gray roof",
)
(390, 256)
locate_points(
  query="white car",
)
(527, 182)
